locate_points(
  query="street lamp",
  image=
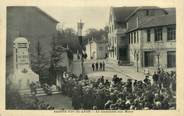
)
(158, 59)
(79, 30)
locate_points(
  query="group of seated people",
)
(116, 94)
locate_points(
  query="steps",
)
(40, 92)
(125, 63)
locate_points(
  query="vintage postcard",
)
(98, 57)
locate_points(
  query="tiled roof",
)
(47, 15)
(144, 8)
(158, 21)
(120, 13)
(29, 8)
(171, 10)
(155, 21)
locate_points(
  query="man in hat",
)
(129, 85)
(93, 66)
(102, 80)
(155, 78)
(103, 66)
(96, 66)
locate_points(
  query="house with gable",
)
(117, 39)
(151, 35)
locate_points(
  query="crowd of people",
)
(98, 66)
(34, 103)
(116, 94)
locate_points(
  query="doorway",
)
(148, 59)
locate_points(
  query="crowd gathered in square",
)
(116, 94)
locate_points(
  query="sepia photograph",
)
(114, 57)
(60, 58)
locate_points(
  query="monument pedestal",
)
(23, 75)
(24, 78)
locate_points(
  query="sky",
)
(93, 15)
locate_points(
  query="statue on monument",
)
(23, 74)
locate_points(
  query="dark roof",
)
(34, 8)
(47, 15)
(155, 21)
(121, 13)
(144, 8)
(171, 10)
(158, 21)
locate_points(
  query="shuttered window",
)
(158, 34)
(171, 59)
(171, 33)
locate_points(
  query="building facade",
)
(35, 25)
(32, 23)
(151, 33)
(96, 50)
(117, 39)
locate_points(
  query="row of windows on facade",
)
(149, 59)
(158, 32)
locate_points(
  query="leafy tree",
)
(97, 35)
(68, 38)
(39, 61)
(56, 58)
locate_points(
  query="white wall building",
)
(96, 50)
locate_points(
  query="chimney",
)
(137, 20)
(127, 25)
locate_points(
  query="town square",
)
(91, 58)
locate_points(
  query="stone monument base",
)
(23, 79)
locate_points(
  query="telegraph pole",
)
(137, 62)
(80, 27)
(158, 56)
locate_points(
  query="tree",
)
(55, 58)
(39, 61)
(68, 38)
(97, 35)
(106, 31)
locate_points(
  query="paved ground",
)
(58, 101)
(129, 71)
(111, 69)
